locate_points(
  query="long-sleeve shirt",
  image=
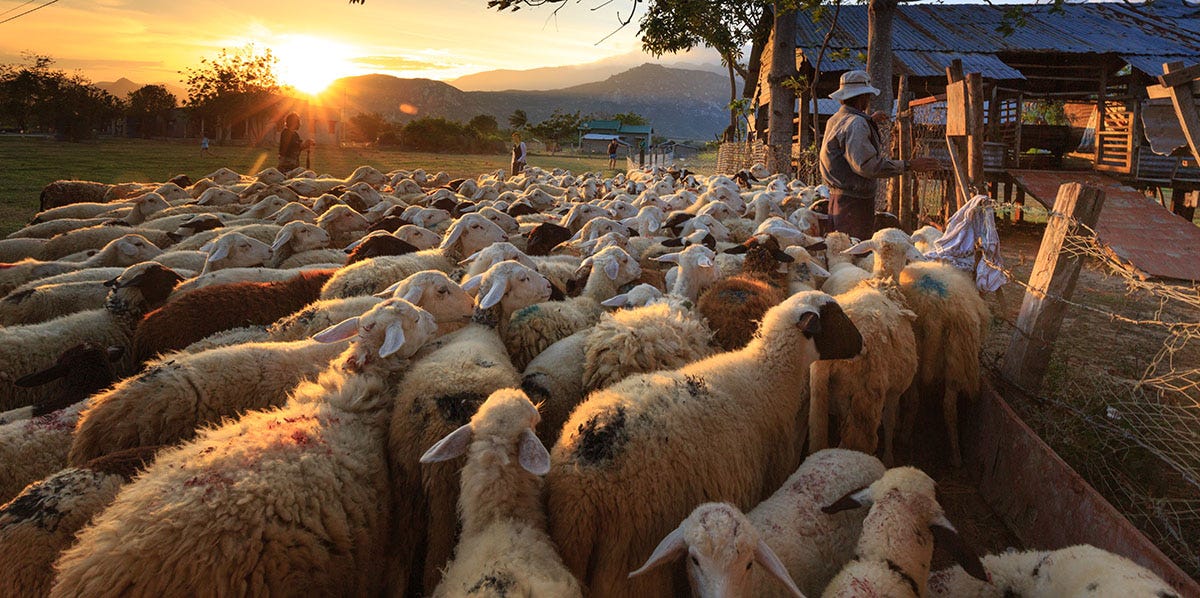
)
(518, 152)
(852, 156)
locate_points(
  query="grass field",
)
(28, 164)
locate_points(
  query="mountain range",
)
(122, 87)
(680, 103)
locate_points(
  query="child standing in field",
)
(612, 153)
(204, 147)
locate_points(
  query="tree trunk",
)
(879, 51)
(731, 133)
(783, 97)
(762, 36)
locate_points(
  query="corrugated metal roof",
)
(969, 30)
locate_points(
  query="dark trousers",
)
(854, 216)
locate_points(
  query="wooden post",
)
(1051, 281)
(902, 185)
(1185, 104)
(975, 132)
(1100, 108)
(958, 125)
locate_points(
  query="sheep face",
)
(639, 296)
(892, 249)
(267, 205)
(148, 204)
(172, 192)
(126, 251)
(139, 288)
(434, 292)
(511, 285)
(216, 196)
(493, 254)
(235, 250)
(342, 219)
(294, 212)
(580, 215)
(428, 217)
(325, 203)
(615, 264)
(301, 236)
(471, 233)
(597, 227)
(421, 238)
(819, 319)
(504, 221)
(722, 547)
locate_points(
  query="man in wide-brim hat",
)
(853, 157)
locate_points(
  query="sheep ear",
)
(472, 283)
(654, 224)
(612, 268)
(127, 248)
(454, 445)
(817, 270)
(767, 558)
(386, 293)
(782, 257)
(914, 254)
(737, 249)
(494, 293)
(583, 268)
(673, 242)
(852, 500)
(671, 548)
(114, 352)
(616, 300)
(668, 257)
(453, 235)
(282, 239)
(862, 248)
(207, 247)
(533, 454)
(709, 241)
(945, 535)
(338, 332)
(470, 258)
(704, 262)
(413, 294)
(220, 252)
(818, 246)
(45, 376)
(393, 340)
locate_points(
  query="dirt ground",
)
(1096, 360)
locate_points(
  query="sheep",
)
(15, 250)
(866, 389)
(318, 316)
(34, 347)
(544, 237)
(843, 274)
(199, 313)
(343, 224)
(746, 399)
(696, 271)
(41, 522)
(810, 545)
(659, 336)
(733, 306)
(302, 244)
(123, 251)
(894, 551)
(529, 331)
(303, 488)
(235, 250)
(61, 193)
(467, 235)
(377, 244)
(97, 237)
(504, 540)
(445, 386)
(293, 212)
(260, 232)
(804, 270)
(34, 440)
(1075, 571)
(951, 322)
(555, 380)
(235, 275)
(38, 303)
(924, 238)
(228, 338)
(421, 238)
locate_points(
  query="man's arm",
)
(862, 157)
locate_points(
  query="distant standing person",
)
(518, 154)
(204, 147)
(612, 153)
(852, 157)
(290, 144)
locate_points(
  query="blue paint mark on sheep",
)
(933, 286)
(525, 314)
(496, 584)
(601, 437)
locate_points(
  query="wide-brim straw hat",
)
(854, 83)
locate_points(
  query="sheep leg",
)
(818, 408)
(950, 412)
(910, 403)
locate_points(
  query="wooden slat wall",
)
(1115, 139)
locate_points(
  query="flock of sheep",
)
(542, 385)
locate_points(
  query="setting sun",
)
(310, 64)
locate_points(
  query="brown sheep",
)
(735, 305)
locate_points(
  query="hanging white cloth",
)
(975, 221)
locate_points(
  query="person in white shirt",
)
(518, 154)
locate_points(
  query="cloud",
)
(400, 63)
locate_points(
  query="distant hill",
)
(680, 103)
(122, 87)
(558, 77)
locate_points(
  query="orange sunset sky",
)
(316, 40)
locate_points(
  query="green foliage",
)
(34, 96)
(1044, 112)
(149, 107)
(368, 127)
(560, 127)
(484, 125)
(518, 119)
(442, 135)
(631, 119)
(232, 86)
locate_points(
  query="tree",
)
(782, 108)
(367, 127)
(560, 127)
(484, 124)
(233, 88)
(631, 119)
(518, 119)
(880, 15)
(150, 106)
(33, 95)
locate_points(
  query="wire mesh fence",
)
(1136, 438)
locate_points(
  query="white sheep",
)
(318, 316)
(302, 244)
(669, 434)
(1075, 571)
(696, 271)
(303, 487)
(504, 546)
(843, 274)
(235, 250)
(894, 552)
(121, 252)
(467, 235)
(923, 238)
(445, 386)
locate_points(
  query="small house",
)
(595, 135)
